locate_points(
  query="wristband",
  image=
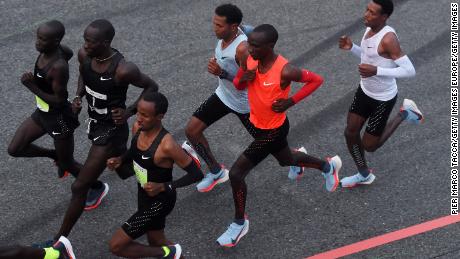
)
(223, 74)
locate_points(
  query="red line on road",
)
(387, 238)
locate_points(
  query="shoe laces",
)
(210, 176)
(361, 178)
(234, 229)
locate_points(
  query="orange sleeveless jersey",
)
(263, 91)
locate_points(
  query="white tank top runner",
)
(381, 88)
(235, 99)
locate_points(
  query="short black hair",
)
(386, 6)
(160, 101)
(105, 27)
(271, 34)
(57, 27)
(231, 13)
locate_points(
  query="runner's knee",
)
(370, 147)
(80, 188)
(351, 132)
(14, 150)
(115, 247)
(236, 175)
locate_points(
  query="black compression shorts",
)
(213, 109)
(151, 213)
(266, 142)
(376, 111)
(58, 124)
(104, 133)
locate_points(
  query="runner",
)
(152, 155)
(382, 60)
(231, 47)
(268, 77)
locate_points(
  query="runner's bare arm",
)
(129, 73)
(171, 149)
(59, 76)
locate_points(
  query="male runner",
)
(230, 49)
(62, 249)
(104, 79)
(53, 115)
(152, 155)
(382, 60)
(268, 76)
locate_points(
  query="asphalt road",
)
(171, 41)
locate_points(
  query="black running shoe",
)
(95, 196)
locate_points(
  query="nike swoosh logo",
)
(143, 157)
(96, 138)
(104, 79)
(55, 133)
(39, 75)
(268, 84)
(369, 47)
(223, 58)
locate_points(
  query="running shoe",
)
(414, 115)
(210, 180)
(65, 248)
(187, 147)
(174, 252)
(332, 177)
(357, 179)
(95, 197)
(234, 233)
(296, 172)
(61, 173)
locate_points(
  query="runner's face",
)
(46, 40)
(373, 16)
(258, 48)
(220, 26)
(146, 117)
(95, 44)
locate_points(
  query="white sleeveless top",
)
(235, 99)
(381, 88)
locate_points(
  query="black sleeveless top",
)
(40, 79)
(144, 166)
(103, 93)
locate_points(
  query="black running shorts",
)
(104, 133)
(213, 109)
(151, 213)
(58, 124)
(266, 142)
(376, 111)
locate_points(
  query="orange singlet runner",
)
(263, 91)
